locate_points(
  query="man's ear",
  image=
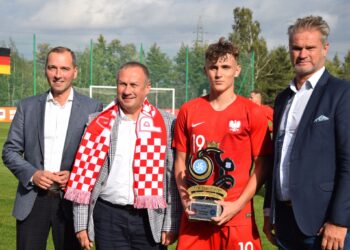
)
(75, 72)
(204, 72)
(238, 70)
(325, 49)
(148, 87)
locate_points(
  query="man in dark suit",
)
(309, 191)
(40, 150)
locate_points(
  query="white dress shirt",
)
(289, 127)
(55, 131)
(119, 187)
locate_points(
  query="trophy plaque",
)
(206, 164)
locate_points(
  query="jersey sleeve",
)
(180, 141)
(260, 136)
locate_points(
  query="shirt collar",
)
(49, 97)
(123, 116)
(309, 83)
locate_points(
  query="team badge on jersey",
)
(234, 125)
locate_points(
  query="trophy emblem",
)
(208, 163)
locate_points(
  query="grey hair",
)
(310, 23)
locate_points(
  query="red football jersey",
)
(240, 131)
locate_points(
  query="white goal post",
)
(162, 98)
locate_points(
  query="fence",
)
(98, 61)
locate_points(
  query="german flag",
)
(5, 61)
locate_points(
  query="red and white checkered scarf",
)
(149, 157)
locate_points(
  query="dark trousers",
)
(122, 228)
(288, 235)
(47, 212)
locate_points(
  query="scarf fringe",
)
(152, 202)
(78, 196)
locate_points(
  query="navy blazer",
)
(23, 151)
(320, 157)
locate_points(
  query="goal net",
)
(162, 98)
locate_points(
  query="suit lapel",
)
(74, 118)
(114, 139)
(310, 109)
(41, 122)
(280, 106)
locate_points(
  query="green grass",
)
(258, 207)
(7, 193)
(8, 184)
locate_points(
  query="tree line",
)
(271, 69)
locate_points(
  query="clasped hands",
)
(45, 179)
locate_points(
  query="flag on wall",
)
(5, 61)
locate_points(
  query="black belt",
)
(49, 192)
(125, 207)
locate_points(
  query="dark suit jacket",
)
(320, 157)
(23, 151)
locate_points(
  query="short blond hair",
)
(310, 23)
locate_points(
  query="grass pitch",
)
(8, 185)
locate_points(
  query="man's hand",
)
(83, 238)
(333, 236)
(44, 179)
(229, 209)
(186, 206)
(168, 238)
(269, 230)
(62, 178)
